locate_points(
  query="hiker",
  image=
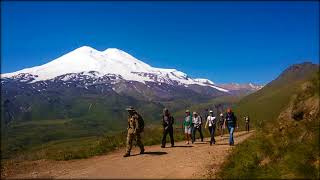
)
(211, 123)
(167, 123)
(187, 126)
(221, 121)
(247, 120)
(197, 122)
(135, 127)
(231, 122)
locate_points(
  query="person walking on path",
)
(197, 122)
(211, 123)
(231, 122)
(247, 120)
(135, 127)
(167, 123)
(187, 126)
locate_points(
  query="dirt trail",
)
(183, 161)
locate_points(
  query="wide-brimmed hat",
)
(130, 108)
(210, 111)
(187, 111)
(195, 113)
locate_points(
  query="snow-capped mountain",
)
(112, 62)
(236, 87)
(106, 81)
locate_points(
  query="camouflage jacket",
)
(133, 123)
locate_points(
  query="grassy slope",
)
(266, 104)
(282, 147)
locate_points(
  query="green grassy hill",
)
(286, 116)
(266, 104)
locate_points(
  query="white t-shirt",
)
(211, 120)
(196, 120)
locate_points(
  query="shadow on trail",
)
(180, 146)
(157, 153)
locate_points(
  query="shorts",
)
(187, 130)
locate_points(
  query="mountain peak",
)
(85, 49)
(114, 53)
(113, 50)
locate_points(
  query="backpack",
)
(169, 121)
(141, 123)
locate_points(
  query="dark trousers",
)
(167, 130)
(212, 129)
(247, 127)
(194, 129)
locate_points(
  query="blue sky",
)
(222, 41)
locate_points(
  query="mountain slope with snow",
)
(112, 61)
(237, 86)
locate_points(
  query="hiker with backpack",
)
(211, 123)
(167, 123)
(187, 126)
(197, 122)
(231, 123)
(135, 128)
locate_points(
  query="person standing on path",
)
(197, 122)
(167, 123)
(231, 122)
(187, 126)
(211, 122)
(247, 120)
(135, 127)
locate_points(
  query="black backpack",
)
(141, 123)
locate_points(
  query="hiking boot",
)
(172, 145)
(162, 146)
(126, 155)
